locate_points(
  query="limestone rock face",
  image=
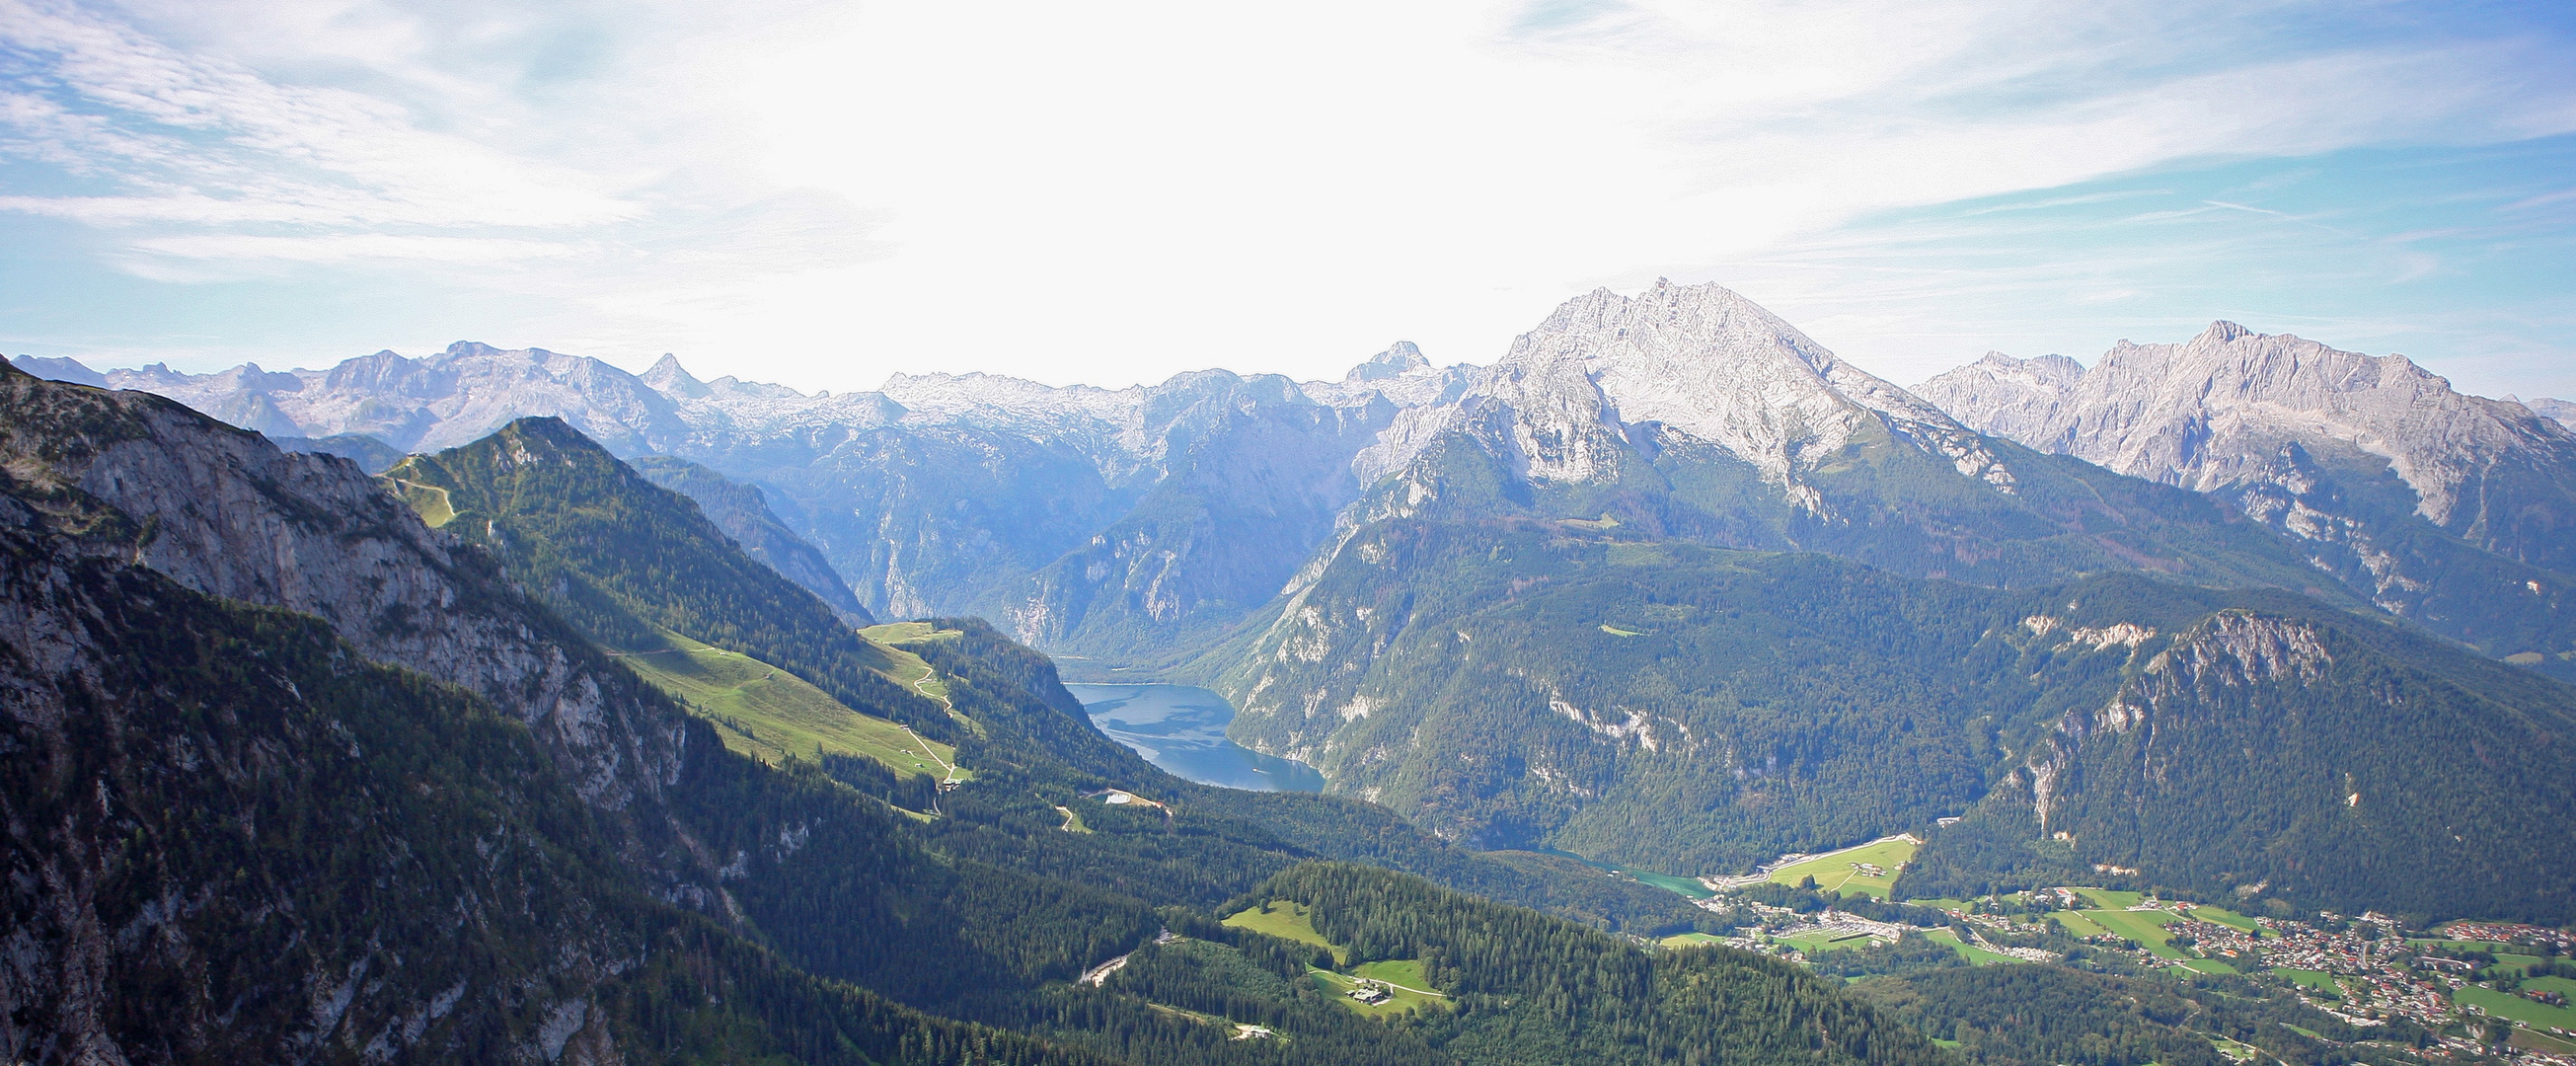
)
(226, 513)
(1698, 361)
(2222, 412)
(2456, 511)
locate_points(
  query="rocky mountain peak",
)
(1398, 359)
(2221, 332)
(669, 378)
(2266, 418)
(60, 368)
(1700, 361)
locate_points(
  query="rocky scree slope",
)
(2455, 511)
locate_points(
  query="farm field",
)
(2111, 901)
(770, 714)
(2145, 927)
(1685, 940)
(2461, 945)
(1974, 954)
(2560, 985)
(2316, 979)
(2077, 925)
(2208, 966)
(2223, 916)
(1816, 942)
(2508, 1005)
(1835, 872)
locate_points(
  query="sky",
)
(822, 194)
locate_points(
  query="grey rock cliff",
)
(2454, 510)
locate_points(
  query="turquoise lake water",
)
(1182, 729)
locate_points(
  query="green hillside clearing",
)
(770, 714)
(1286, 920)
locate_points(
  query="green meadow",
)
(1290, 920)
(1839, 871)
(770, 714)
(1974, 954)
(1287, 920)
(2509, 1005)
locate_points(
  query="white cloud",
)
(823, 193)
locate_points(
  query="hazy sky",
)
(823, 193)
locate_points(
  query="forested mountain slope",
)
(743, 512)
(1695, 710)
(627, 561)
(2374, 787)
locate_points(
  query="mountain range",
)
(1637, 473)
(506, 706)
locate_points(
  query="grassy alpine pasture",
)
(1839, 871)
(1290, 920)
(770, 714)
(1691, 940)
(1287, 920)
(431, 502)
(1400, 1002)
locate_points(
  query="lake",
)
(1182, 729)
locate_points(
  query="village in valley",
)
(2490, 991)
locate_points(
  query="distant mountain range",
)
(1442, 585)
